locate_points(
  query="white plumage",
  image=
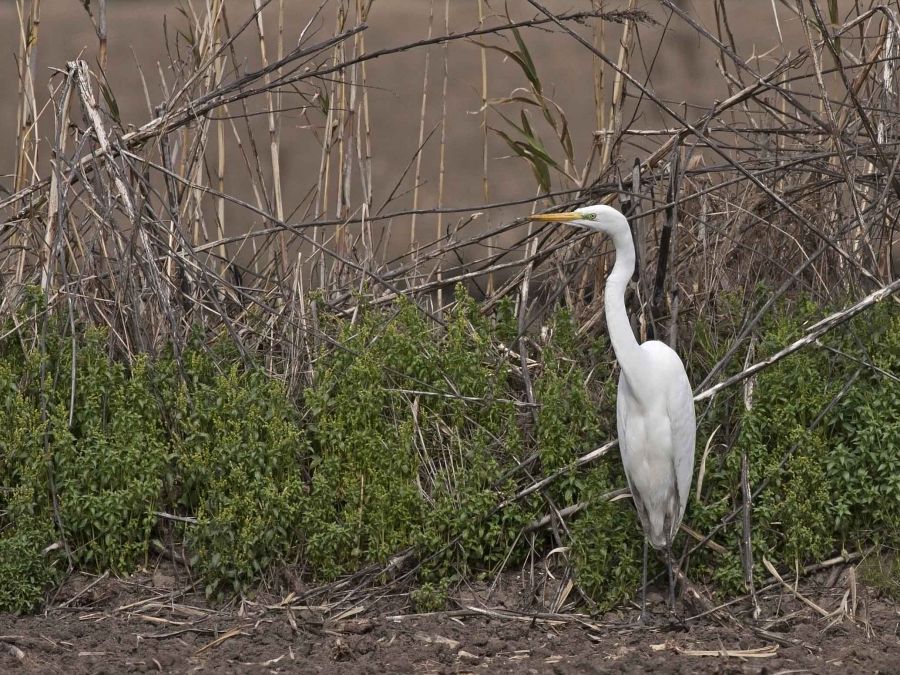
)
(655, 420)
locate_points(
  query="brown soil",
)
(137, 625)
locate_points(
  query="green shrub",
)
(238, 451)
(429, 597)
(106, 457)
(409, 438)
(25, 525)
(363, 503)
(570, 421)
(109, 462)
(864, 463)
(607, 544)
(409, 434)
(25, 572)
(830, 483)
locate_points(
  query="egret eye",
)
(589, 216)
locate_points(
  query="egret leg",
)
(643, 617)
(670, 565)
(671, 576)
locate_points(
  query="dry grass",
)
(791, 180)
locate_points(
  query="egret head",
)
(597, 218)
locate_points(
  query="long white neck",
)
(620, 333)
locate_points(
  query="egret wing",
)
(683, 425)
(622, 427)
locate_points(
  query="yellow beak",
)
(557, 217)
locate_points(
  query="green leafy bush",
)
(109, 461)
(101, 442)
(607, 542)
(864, 464)
(408, 439)
(238, 451)
(831, 468)
(25, 571)
(570, 421)
(410, 427)
(25, 526)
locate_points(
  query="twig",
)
(234, 632)
(797, 594)
(813, 333)
(84, 590)
(571, 510)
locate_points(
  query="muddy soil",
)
(144, 624)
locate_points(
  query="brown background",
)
(684, 73)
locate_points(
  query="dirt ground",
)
(140, 624)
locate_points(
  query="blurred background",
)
(418, 96)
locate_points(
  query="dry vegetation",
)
(790, 180)
(786, 189)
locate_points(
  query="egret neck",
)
(617, 323)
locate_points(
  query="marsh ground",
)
(140, 624)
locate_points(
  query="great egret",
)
(654, 405)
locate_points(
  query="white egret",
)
(654, 404)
